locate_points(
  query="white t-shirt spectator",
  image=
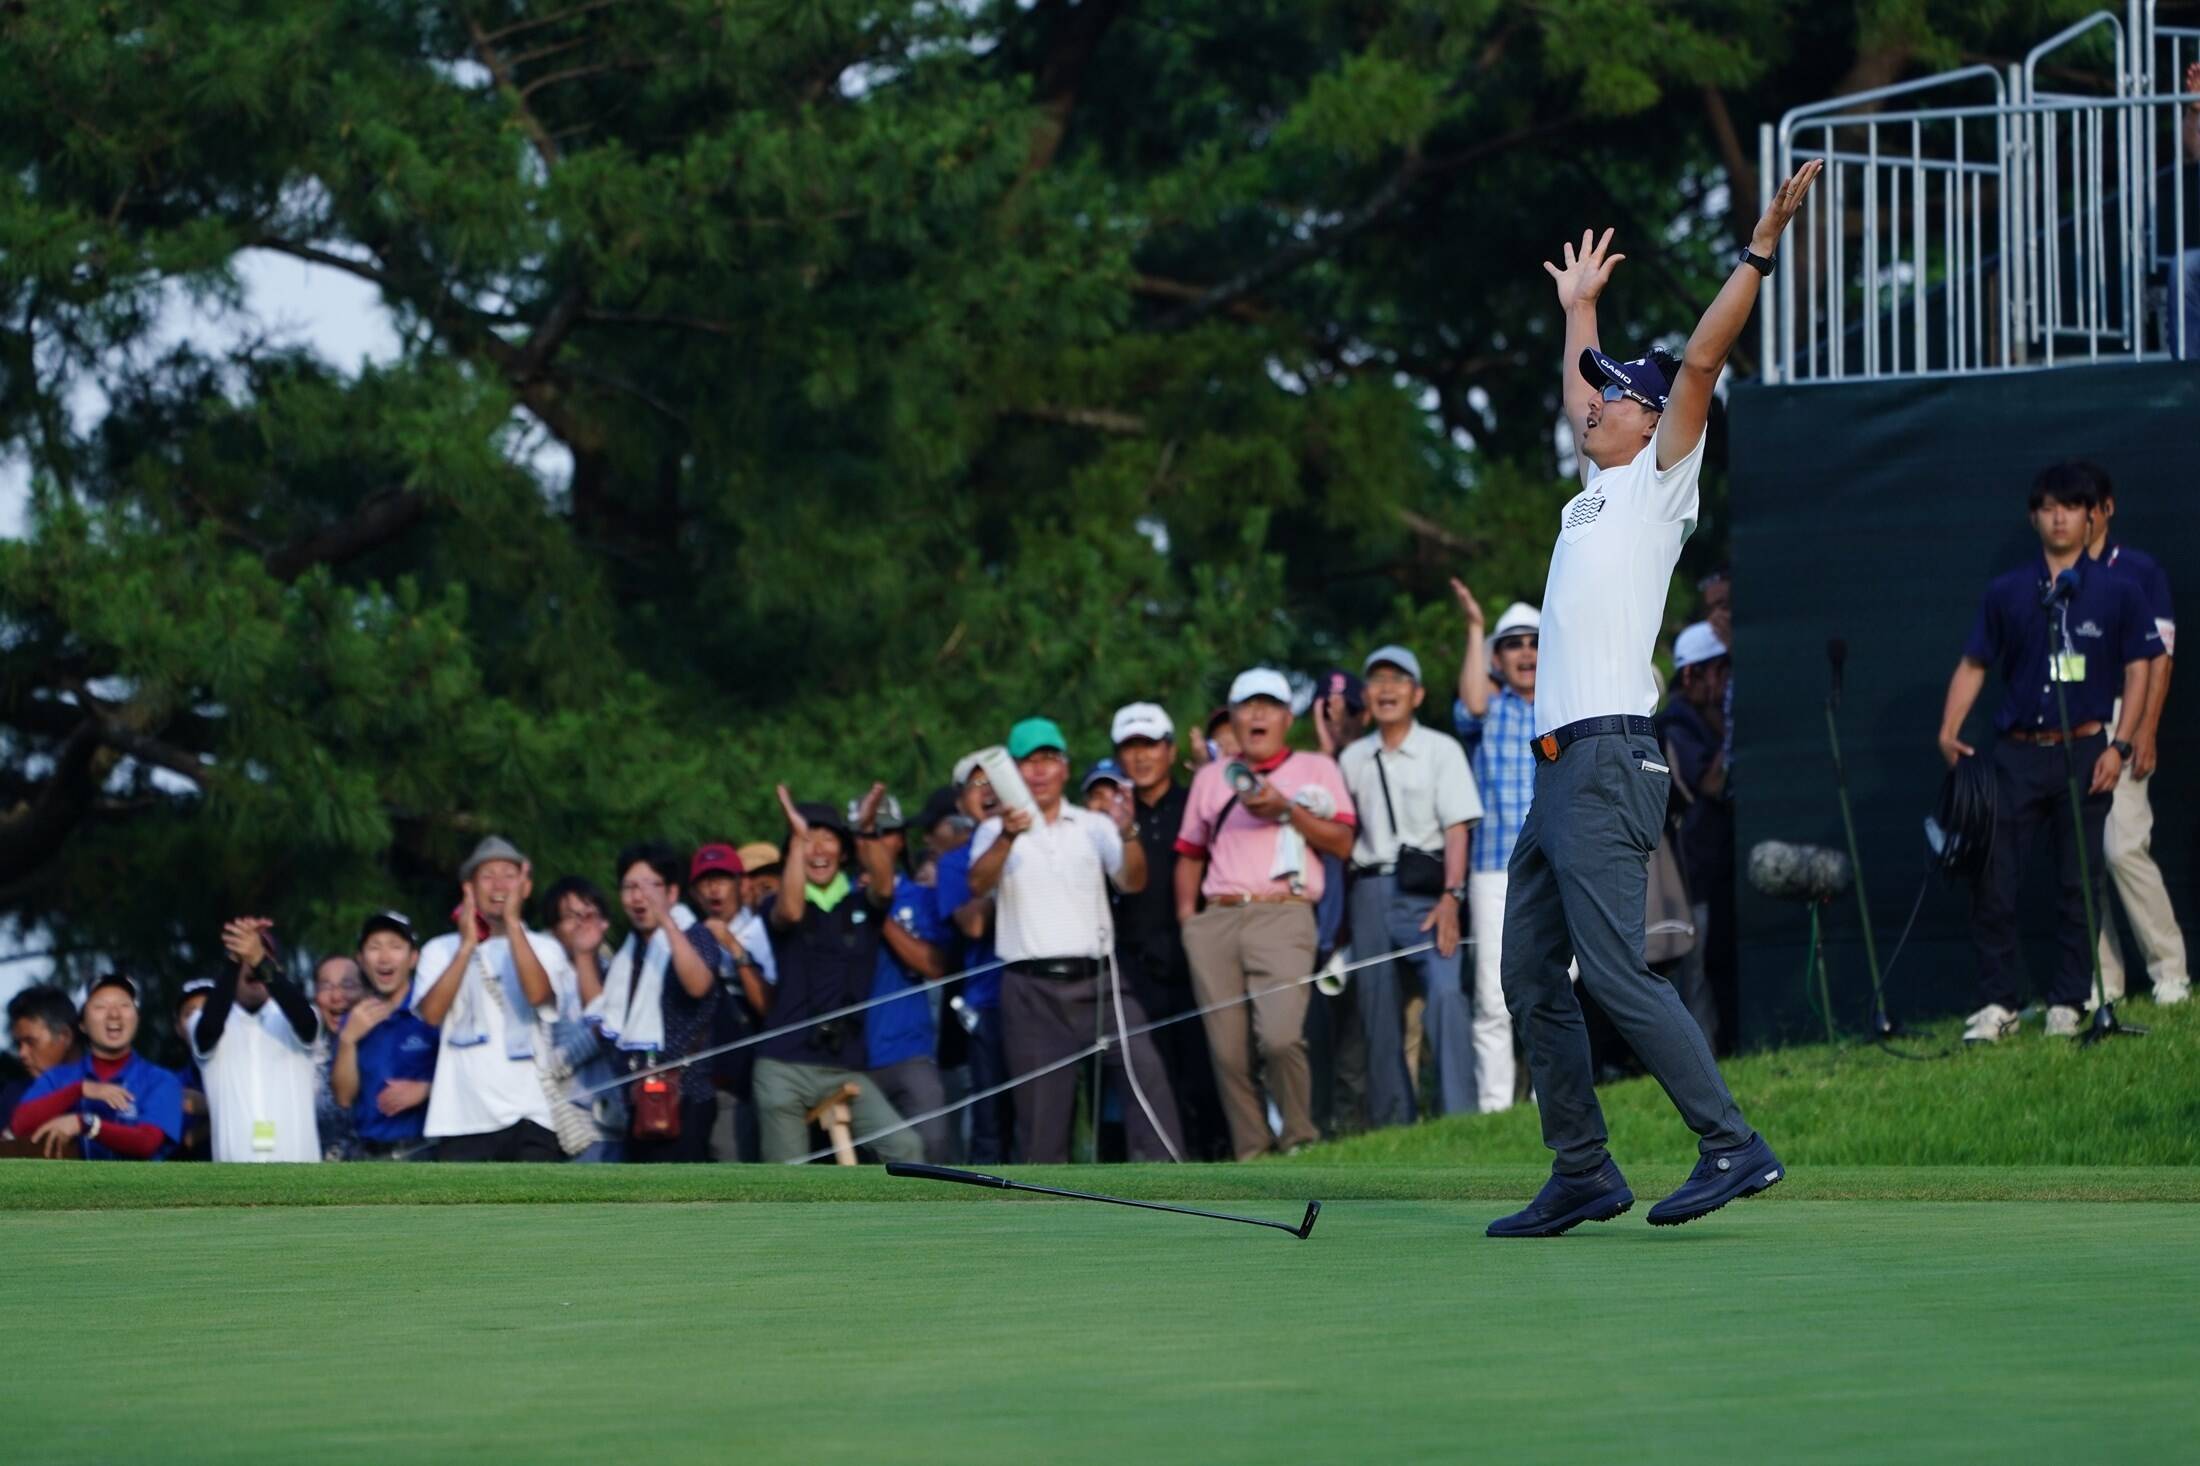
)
(259, 1088)
(479, 1089)
(1431, 789)
(1054, 889)
(1611, 570)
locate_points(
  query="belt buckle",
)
(1547, 746)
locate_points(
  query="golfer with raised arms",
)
(1577, 879)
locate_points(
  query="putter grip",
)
(942, 1173)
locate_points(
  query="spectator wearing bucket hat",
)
(760, 867)
(1254, 829)
(384, 1069)
(488, 988)
(1418, 807)
(826, 932)
(1494, 716)
(1053, 864)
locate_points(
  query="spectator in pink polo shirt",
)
(1254, 831)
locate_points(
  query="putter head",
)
(1313, 1210)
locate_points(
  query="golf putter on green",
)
(924, 1172)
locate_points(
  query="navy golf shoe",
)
(1565, 1202)
(1720, 1177)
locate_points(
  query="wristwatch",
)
(2122, 747)
(91, 1127)
(1762, 264)
(1457, 893)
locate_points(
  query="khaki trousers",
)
(2128, 842)
(1264, 950)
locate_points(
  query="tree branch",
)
(1303, 251)
(1740, 172)
(486, 52)
(313, 254)
(1099, 419)
(1061, 71)
(33, 832)
(651, 318)
(380, 518)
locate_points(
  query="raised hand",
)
(1587, 271)
(867, 811)
(363, 1017)
(469, 917)
(241, 939)
(797, 826)
(1469, 607)
(1014, 822)
(1119, 810)
(1765, 238)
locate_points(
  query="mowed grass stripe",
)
(1050, 1332)
(27, 1186)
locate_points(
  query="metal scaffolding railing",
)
(1989, 220)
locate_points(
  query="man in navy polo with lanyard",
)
(2064, 619)
(1578, 880)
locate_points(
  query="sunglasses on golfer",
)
(1515, 643)
(1613, 391)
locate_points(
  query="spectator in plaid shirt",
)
(1495, 718)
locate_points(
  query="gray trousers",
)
(1578, 882)
(1383, 920)
(913, 1087)
(786, 1092)
(1048, 1018)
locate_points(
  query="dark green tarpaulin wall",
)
(1877, 513)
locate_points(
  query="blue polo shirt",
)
(951, 892)
(904, 1030)
(401, 1046)
(157, 1100)
(2152, 580)
(2106, 622)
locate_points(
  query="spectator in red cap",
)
(716, 881)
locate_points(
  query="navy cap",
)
(1647, 379)
(1107, 771)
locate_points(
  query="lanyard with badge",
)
(2065, 665)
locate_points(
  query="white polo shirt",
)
(1618, 541)
(1431, 788)
(1053, 900)
(259, 1088)
(478, 1089)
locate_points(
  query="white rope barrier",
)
(1104, 1043)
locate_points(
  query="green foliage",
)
(919, 366)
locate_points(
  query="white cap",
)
(965, 767)
(1141, 720)
(1397, 656)
(1696, 643)
(1518, 617)
(1260, 682)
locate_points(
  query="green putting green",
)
(1017, 1329)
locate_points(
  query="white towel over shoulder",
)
(630, 1011)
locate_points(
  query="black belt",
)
(1065, 969)
(1550, 745)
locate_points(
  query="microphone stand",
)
(2104, 1012)
(1882, 1027)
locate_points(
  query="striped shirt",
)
(1504, 769)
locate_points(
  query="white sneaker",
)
(2062, 1021)
(2166, 993)
(1990, 1024)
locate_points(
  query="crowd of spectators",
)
(1245, 943)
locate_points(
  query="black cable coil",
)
(1960, 834)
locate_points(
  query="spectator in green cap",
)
(1051, 863)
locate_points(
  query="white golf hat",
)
(1697, 643)
(1397, 656)
(965, 767)
(1260, 682)
(1141, 720)
(1518, 617)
